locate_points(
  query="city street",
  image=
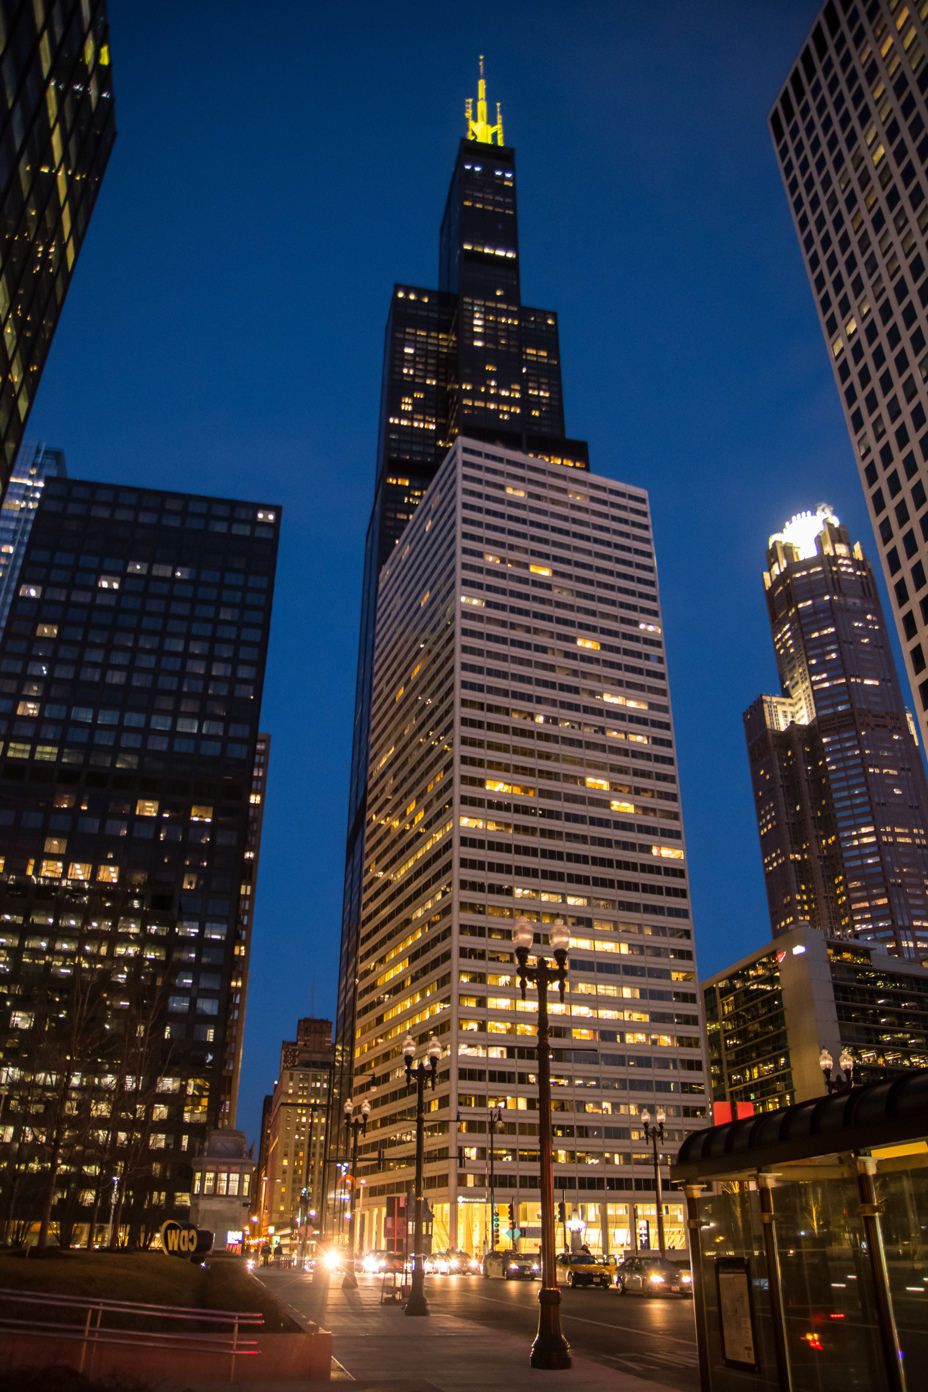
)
(648, 1339)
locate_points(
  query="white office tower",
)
(522, 762)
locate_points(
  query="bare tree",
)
(68, 1036)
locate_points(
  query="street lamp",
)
(550, 1349)
(354, 1125)
(849, 1066)
(417, 1303)
(655, 1134)
(495, 1119)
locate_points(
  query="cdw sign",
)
(184, 1240)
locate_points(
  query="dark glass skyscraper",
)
(466, 359)
(131, 670)
(840, 792)
(56, 132)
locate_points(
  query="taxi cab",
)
(581, 1269)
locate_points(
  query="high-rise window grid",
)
(554, 793)
(851, 130)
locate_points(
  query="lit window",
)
(201, 814)
(146, 808)
(108, 874)
(55, 845)
(667, 852)
(27, 708)
(31, 591)
(587, 643)
(598, 783)
(51, 868)
(46, 630)
(78, 870)
(109, 582)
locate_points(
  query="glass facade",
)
(131, 670)
(850, 134)
(35, 463)
(839, 787)
(768, 1017)
(522, 762)
(56, 133)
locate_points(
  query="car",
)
(582, 1269)
(512, 1266)
(373, 1263)
(652, 1276)
(454, 1263)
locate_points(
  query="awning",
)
(875, 1114)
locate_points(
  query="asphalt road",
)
(652, 1338)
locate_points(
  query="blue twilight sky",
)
(277, 168)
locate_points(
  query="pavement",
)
(377, 1348)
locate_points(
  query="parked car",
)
(582, 1269)
(652, 1276)
(512, 1266)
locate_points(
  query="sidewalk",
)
(377, 1348)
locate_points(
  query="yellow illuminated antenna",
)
(481, 129)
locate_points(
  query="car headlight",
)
(513, 1266)
(656, 1280)
(331, 1260)
(535, 1266)
(686, 1279)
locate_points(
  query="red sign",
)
(395, 1224)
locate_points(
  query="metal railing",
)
(91, 1333)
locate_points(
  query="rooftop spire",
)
(480, 129)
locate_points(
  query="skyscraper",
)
(131, 670)
(839, 787)
(56, 133)
(470, 358)
(35, 463)
(522, 762)
(234, 1035)
(851, 134)
(293, 1133)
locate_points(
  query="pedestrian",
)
(278, 1251)
(265, 1253)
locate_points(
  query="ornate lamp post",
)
(417, 1303)
(849, 1067)
(358, 1124)
(550, 1349)
(494, 1119)
(655, 1134)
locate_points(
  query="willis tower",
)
(466, 359)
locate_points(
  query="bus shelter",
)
(809, 1241)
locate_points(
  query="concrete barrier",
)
(280, 1358)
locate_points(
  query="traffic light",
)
(495, 1225)
(512, 1217)
(562, 1213)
